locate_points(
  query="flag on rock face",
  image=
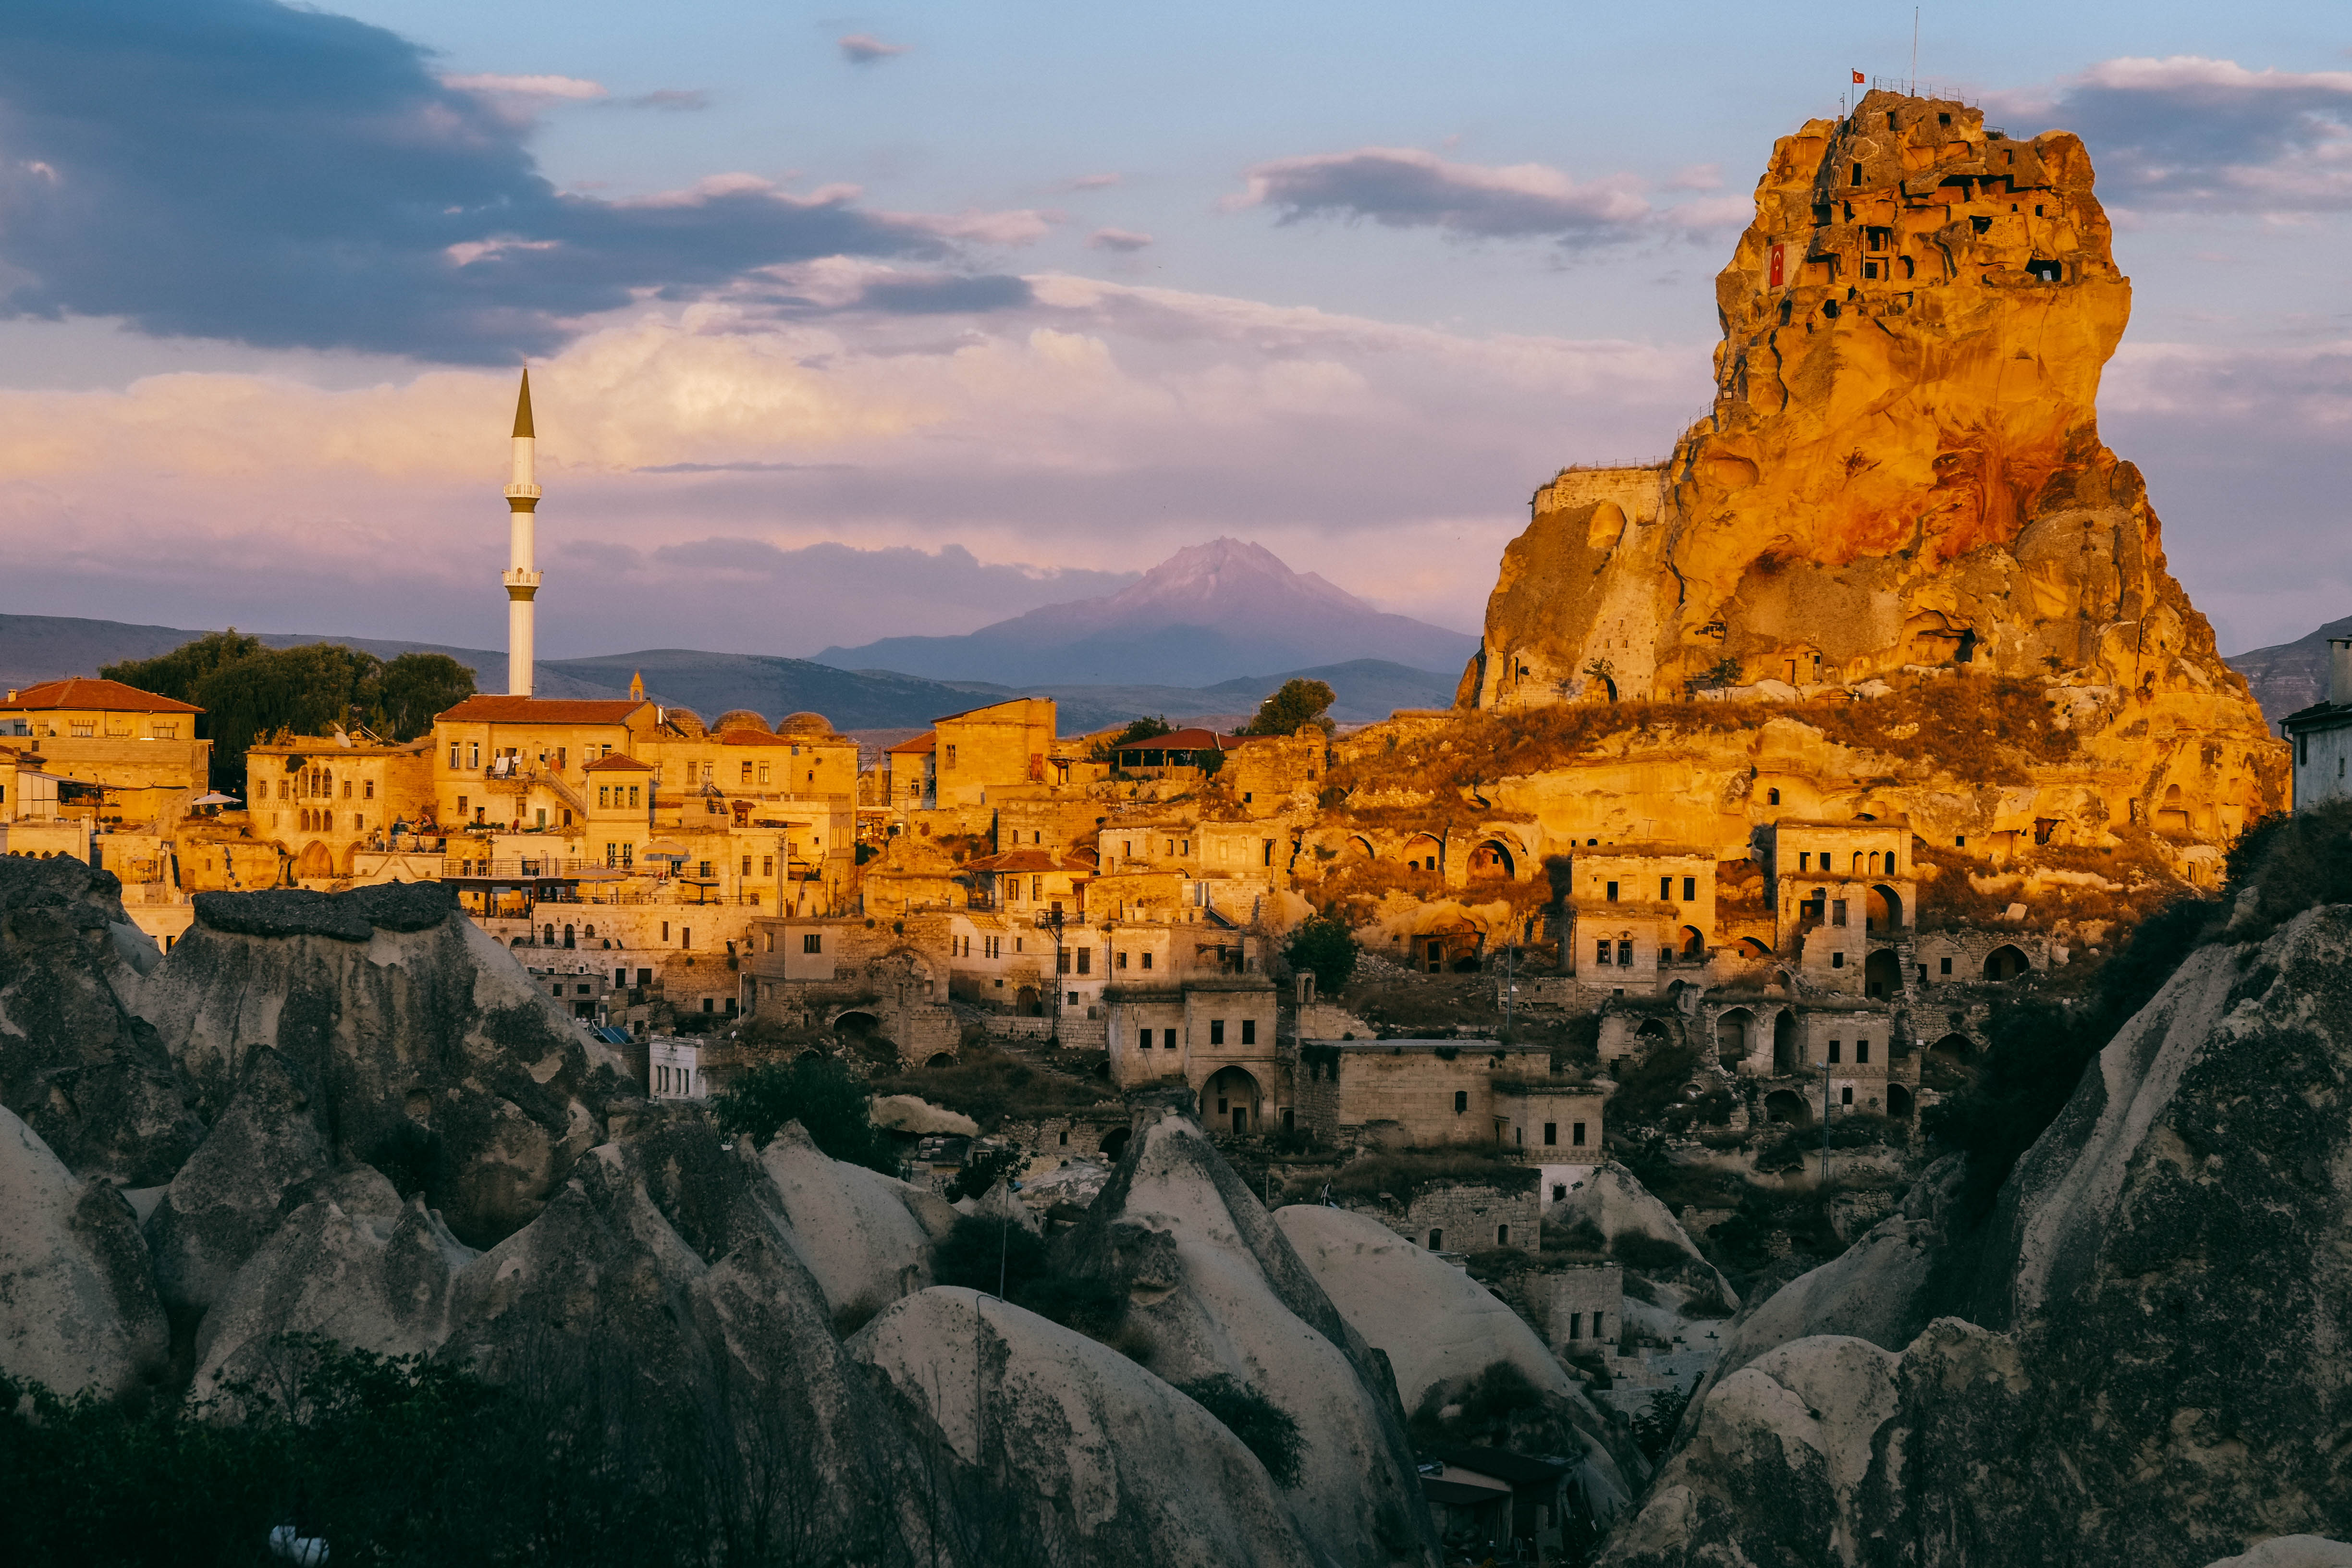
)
(1857, 78)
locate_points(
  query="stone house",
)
(140, 749)
(1419, 1093)
(1002, 745)
(1214, 1032)
(324, 799)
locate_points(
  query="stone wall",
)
(1465, 1218)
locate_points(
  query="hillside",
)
(1212, 613)
(2290, 675)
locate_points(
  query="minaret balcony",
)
(523, 492)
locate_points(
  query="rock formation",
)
(2154, 1373)
(867, 1238)
(1212, 1279)
(417, 1043)
(1122, 1467)
(77, 1309)
(1901, 476)
(76, 1063)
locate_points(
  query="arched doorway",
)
(1356, 848)
(1754, 947)
(1492, 858)
(1114, 1143)
(1784, 1043)
(1694, 944)
(1649, 1036)
(855, 1022)
(548, 934)
(2006, 961)
(1231, 1096)
(1025, 1002)
(1954, 1050)
(1733, 1030)
(1421, 852)
(315, 861)
(1898, 1103)
(1882, 975)
(941, 1060)
(1883, 910)
(1785, 1105)
(567, 936)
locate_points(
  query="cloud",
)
(866, 49)
(2187, 133)
(671, 99)
(1404, 187)
(1092, 181)
(943, 295)
(1120, 239)
(313, 184)
(1019, 226)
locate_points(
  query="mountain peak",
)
(1219, 577)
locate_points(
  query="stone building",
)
(2321, 735)
(139, 750)
(324, 800)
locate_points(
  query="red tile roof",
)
(750, 737)
(484, 709)
(106, 696)
(1183, 741)
(618, 762)
(928, 740)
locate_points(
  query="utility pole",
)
(1825, 1125)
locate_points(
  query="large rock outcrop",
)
(1219, 1290)
(1902, 473)
(2165, 1295)
(1122, 1467)
(421, 1046)
(85, 1073)
(78, 1311)
(867, 1238)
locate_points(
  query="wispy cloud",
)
(1118, 240)
(1092, 181)
(571, 88)
(2187, 133)
(1406, 187)
(866, 49)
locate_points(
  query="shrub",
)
(819, 1094)
(983, 1169)
(988, 1084)
(1264, 1428)
(1325, 947)
(1653, 1428)
(1005, 1258)
(1654, 1254)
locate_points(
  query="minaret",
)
(522, 572)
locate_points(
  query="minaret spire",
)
(521, 577)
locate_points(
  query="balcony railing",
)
(526, 868)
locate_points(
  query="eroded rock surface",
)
(1124, 1468)
(82, 1069)
(2166, 1382)
(1212, 1279)
(77, 1309)
(866, 1237)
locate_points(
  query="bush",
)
(989, 1084)
(1652, 1254)
(1325, 947)
(1264, 1428)
(1653, 1428)
(1005, 1258)
(819, 1094)
(983, 1169)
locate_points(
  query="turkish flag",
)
(1857, 78)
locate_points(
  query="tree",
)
(179, 673)
(417, 688)
(818, 1092)
(1327, 948)
(1264, 1428)
(1299, 701)
(1148, 727)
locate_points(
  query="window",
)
(1857, 173)
(1576, 1134)
(767, 865)
(1612, 892)
(763, 773)
(604, 795)
(1461, 1101)
(453, 754)
(1249, 1031)
(1625, 955)
(461, 805)
(632, 795)
(645, 977)
(1862, 1051)
(367, 790)
(1118, 961)
(1804, 862)
(1217, 1031)
(665, 931)
(1666, 890)
(1437, 1241)
(1559, 1192)
(949, 761)
(1502, 1236)
(1086, 958)
(1771, 798)
(1837, 911)
(1690, 889)
(1576, 1325)
(1147, 960)
(1143, 1039)
(1837, 961)
(1600, 952)
(705, 867)
(1551, 1135)
(1947, 968)
(813, 941)
(472, 754)
(747, 774)
(1846, 1095)
(1835, 1047)
(747, 866)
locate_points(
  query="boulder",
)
(372, 1274)
(1616, 1203)
(432, 1054)
(2293, 1552)
(76, 1063)
(867, 1238)
(81, 1312)
(1213, 1282)
(1122, 1467)
(1430, 1320)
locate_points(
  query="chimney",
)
(2339, 669)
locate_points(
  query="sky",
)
(845, 324)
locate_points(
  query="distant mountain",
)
(2290, 675)
(44, 647)
(1212, 613)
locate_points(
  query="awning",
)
(215, 798)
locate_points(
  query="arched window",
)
(1771, 798)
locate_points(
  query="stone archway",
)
(1898, 1103)
(2005, 962)
(1231, 1096)
(1493, 857)
(1423, 852)
(315, 861)
(1733, 1032)
(1786, 1105)
(1025, 1002)
(1115, 1142)
(1784, 1043)
(1882, 975)
(1883, 911)
(1954, 1050)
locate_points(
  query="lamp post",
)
(1051, 919)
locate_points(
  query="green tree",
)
(1298, 702)
(1148, 727)
(1326, 947)
(179, 673)
(1264, 1428)
(416, 689)
(820, 1094)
